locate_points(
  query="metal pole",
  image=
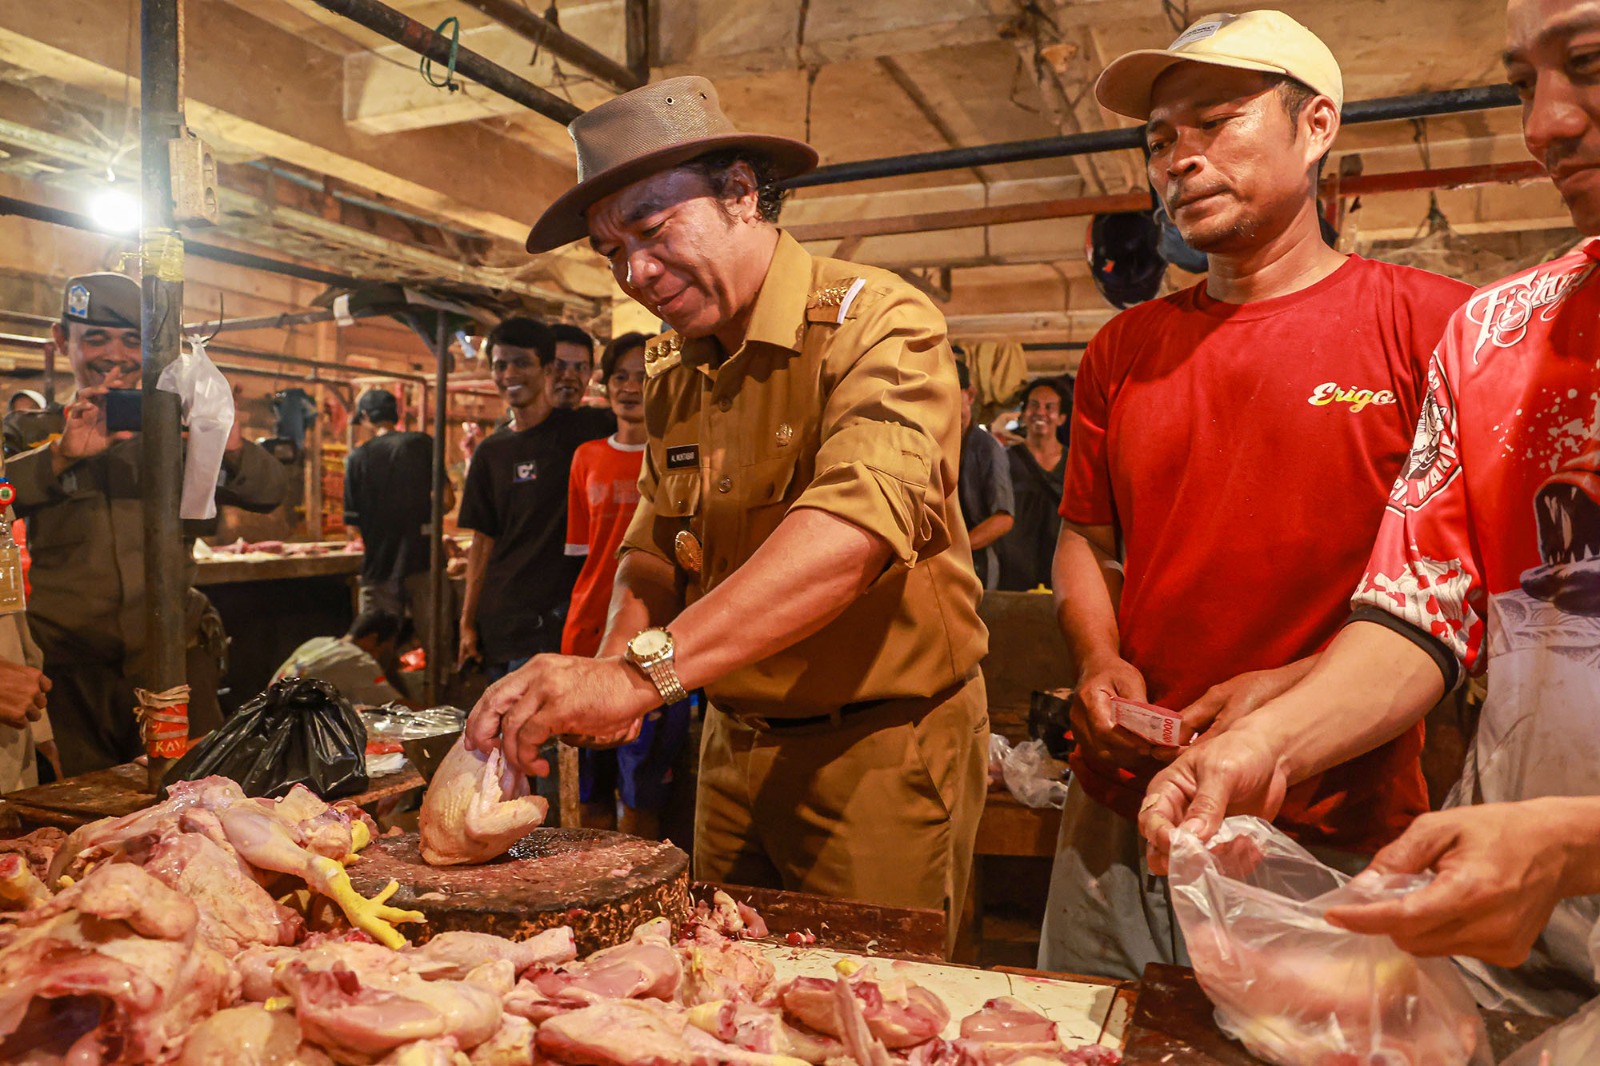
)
(409, 33)
(283, 321)
(636, 15)
(161, 322)
(548, 36)
(436, 577)
(1385, 109)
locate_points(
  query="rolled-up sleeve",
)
(255, 481)
(33, 477)
(889, 433)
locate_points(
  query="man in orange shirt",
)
(602, 494)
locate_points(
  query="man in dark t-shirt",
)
(519, 577)
(388, 499)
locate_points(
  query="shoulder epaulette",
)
(662, 354)
(832, 303)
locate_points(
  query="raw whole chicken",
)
(475, 808)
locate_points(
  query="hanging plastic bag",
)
(1296, 990)
(300, 731)
(208, 410)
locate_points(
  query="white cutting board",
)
(1080, 1010)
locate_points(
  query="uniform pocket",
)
(678, 495)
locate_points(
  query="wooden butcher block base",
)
(602, 884)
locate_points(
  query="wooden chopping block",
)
(602, 884)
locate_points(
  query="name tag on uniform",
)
(525, 472)
(686, 457)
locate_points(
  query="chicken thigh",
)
(475, 808)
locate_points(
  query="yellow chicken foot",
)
(264, 842)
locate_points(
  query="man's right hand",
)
(468, 652)
(1094, 722)
(1236, 772)
(85, 434)
(22, 694)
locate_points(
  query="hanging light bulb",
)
(114, 210)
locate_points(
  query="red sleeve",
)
(578, 505)
(1086, 499)
(1425, 569)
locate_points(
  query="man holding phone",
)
(78, 488)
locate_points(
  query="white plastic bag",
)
(1031, 776)
(207, 401)
(1296, 990)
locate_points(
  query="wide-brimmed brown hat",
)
(646, 131)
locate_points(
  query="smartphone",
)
(124, 410)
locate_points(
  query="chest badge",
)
(784, 435)
(686, 546)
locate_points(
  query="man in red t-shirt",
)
(602, 494)
(1231, 448)
(1488, 557)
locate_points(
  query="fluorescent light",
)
(114, 210)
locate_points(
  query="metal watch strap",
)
(665, 678)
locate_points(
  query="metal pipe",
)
(283, 321)
(547, 35)
(1081, 206)
(161, 326)
(436, 583)
(413, 35)
(1384, 109)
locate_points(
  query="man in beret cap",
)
(77, 485)
(798, 551)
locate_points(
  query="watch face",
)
(650, 643)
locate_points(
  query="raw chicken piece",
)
(363, 1016)
(235, 911)
(451, 955)
(256, 966)
(1005, 1020)
(36, 848)
(109, 970)
(615, 1033)
(20, 888)
(897, 1012)
(511, 1045)
(441, 1052)
(645, 967)
(759, 1028)
(109, 836)
(730, 917)
(475, 808)
(716, 968)
(250, 1036)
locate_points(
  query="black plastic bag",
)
(300, 731)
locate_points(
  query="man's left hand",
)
(1501, 868)
(597, 700)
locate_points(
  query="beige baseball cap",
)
(1268, 41)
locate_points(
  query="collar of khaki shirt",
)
(779, 315)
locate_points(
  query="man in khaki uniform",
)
(799, 529)
(78, 490)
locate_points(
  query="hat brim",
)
(564, 220)
(1124, 86)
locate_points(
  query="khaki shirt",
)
(844, 398)
(86, 537)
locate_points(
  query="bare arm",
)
(1371, 685)
(477, 567)
(1088, 586)
(990, 530)
(644, 595)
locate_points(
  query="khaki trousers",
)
(882, 808)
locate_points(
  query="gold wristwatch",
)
(652, 651)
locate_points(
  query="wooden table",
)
(221, 570)
(121, 790)
(1173, 1023)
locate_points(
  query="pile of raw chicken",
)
(215, 928)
